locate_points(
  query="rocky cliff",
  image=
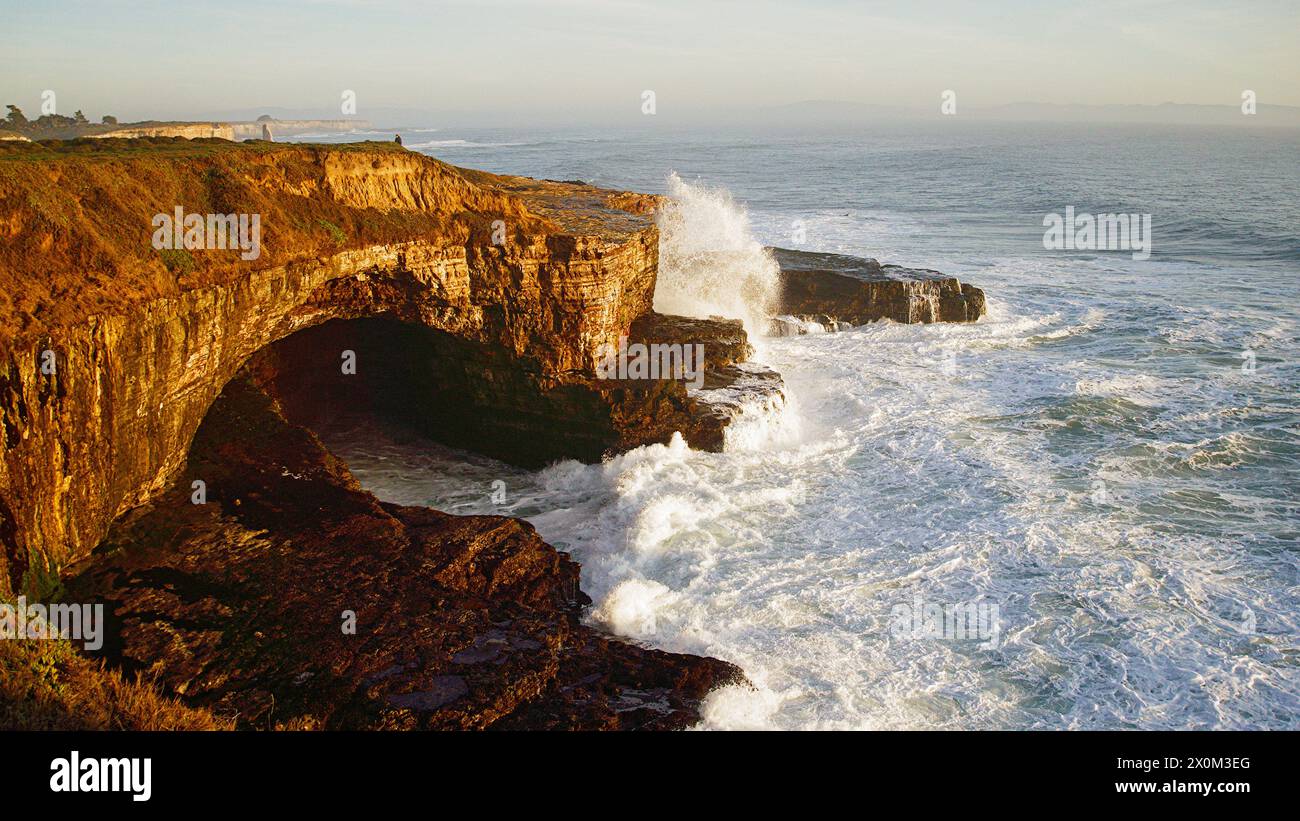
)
(189, 131)
(111, 351)
(475, 304)
(291, 598)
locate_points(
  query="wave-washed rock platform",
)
(834, 291)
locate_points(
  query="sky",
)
(593, 59)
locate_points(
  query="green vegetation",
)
(115, 148)
(178, 261)
(336, 233)
(41, 579)
(52, 125)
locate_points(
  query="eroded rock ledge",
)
(834, 290)
(239, 605)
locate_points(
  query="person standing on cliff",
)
(397, 138)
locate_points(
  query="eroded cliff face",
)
(253, 130)
(111, 351)
(484, 398)
(191, 131)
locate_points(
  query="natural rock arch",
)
(110, 427)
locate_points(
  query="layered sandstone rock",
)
(484, 398)
(189, 131)
(474, 305)
(285, 128)
(112, 351)
(831, 290)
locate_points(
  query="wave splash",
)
(710, 264)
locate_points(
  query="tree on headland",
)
(53, 121)
(55, 125)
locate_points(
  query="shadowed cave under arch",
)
(466, 394)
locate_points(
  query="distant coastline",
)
(16, 126)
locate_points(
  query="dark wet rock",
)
(724, 340)
(701, 413)
(239, 605)
(830, 289)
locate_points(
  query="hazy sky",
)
(190, 59)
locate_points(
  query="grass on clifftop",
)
(77, 231)
(48, 685)
(115, 148)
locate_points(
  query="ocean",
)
(1103, 470)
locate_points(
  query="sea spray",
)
(710, 264)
